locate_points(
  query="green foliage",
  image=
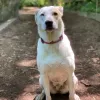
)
(27, 3)
(73, 5)
(89, 7)
(40, 3)
(32, 3)
(76, 5)
(83, 6)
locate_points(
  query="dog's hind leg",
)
(72, 81)
(75, 82)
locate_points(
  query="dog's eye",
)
(55, 14)
(42, 14)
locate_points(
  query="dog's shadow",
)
(59, 96)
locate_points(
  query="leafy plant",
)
(81, 5)
(84, 6)
(89, 7)
(32, 3)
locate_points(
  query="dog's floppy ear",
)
(36, 15)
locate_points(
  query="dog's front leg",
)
(46, 86)
(71, 84)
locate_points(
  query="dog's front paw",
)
(76, 97)
(48, 97)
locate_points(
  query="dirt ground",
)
(18, 70)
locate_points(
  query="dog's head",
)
(49, 19)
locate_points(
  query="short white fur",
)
(56, 62)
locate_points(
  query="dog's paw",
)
(48, 97)
(40, 96)
(76, 97)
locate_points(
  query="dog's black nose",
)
(49, 25)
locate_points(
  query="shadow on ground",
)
(18, 70)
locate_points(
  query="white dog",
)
(55, 58)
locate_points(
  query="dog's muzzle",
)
(49, 25)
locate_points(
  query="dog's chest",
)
(49, 55)
(52, 55)
(57, 74)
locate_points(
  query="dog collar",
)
(52, 42)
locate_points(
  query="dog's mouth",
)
(50, 29)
